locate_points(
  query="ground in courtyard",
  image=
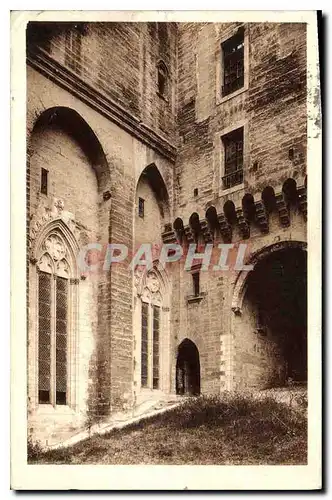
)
(234, 429)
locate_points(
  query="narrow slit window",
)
(44, 181)
(141, 207)
(196, 284)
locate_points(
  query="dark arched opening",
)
(290, 191)
(248, 206)
(269, 199)
(188, 378)
(230, 212)
(277, 292)
(195, 225)
(179, 229)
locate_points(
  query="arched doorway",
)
(273, 327)
(188, 378)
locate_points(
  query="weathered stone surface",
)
(167, 151)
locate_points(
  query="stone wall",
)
(120, 61)
(272, 109)
(105, 357)
(114, 100)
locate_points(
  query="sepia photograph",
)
(168, 318)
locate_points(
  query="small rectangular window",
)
(141, 207)
(44, 181)
(233, 154)
(196, 284)
(233, 63)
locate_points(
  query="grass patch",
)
(232, 429)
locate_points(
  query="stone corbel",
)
(243, 223)
(190, 237)
(302, 193)
(225, 228)
(206, 231)
(262, 217)
(169, 237)
(283, 210)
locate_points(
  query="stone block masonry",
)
(111, 128)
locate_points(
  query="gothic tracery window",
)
(54, 297)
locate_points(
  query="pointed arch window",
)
(54, 315)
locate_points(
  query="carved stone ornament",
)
(48, 211)
(152, 282)
(55, 247)
(138, 277)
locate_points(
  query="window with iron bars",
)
(73, 48)
(233, 154)
(52, 339)
(150, 345)
(233, 63)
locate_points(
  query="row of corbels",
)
(261, 218)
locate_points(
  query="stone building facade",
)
(176, 133)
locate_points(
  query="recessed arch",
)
(242, 277)
(248, 206)
(74, 125)
(195, 224)
(269, 199)
(179, 228)
(230, 212)
(212, 216)
(289, 190)
(152, 175)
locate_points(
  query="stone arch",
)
(54, 253)
(57, 226)
(241, 279)
(289, 190)
(230, 212)
(248, 206)
(73, 124)
(194, 224)
(142, 277)
(152, 291)
(269, 199)
(153, 176)
(178, 227)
